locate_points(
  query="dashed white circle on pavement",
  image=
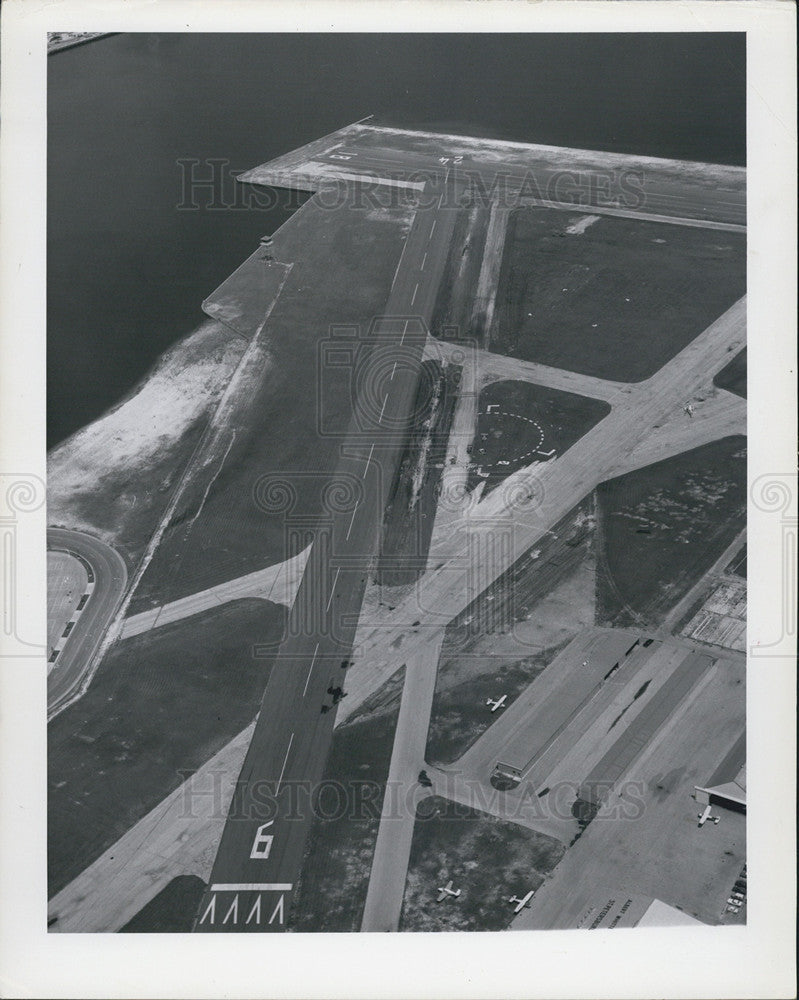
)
(527, 455)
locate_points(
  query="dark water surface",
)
(128, 269)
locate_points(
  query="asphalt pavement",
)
(76, 658)
(263, 843)
(643, 193)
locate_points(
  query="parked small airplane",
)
(703, 817)
(521, 903)
(496, 703)
(447, 890)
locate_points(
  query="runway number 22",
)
(262, 844)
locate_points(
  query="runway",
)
(556, 185)
(74, 663)
(263, 843)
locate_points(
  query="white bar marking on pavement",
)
(413, 298)
(383, 407)
(352, 519)
(332, 589)
(313, 660)
(251, 887)
(285, 759)
(433, 228)
(424, 261)
(369, 459)
(393, 372)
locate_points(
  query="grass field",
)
(519, 423)
(171, 911)
(338, 857)
(662, 527)
(489, 649)
(460, 714)
(487, 859)
(733, 375)
(343, 268)
(161, 704)
(411, 507)
(616, 301)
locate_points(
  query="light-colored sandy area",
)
(66, 583)
(138, 434)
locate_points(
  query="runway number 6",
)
(262, 844)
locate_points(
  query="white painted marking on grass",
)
(352, 519)
(332, 589)
(285, 760)
(310, 669)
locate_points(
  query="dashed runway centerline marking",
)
(285, 760)
(310, 669)
(332, 589)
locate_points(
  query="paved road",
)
(496, 367)
(277, 583)
(263, 843)
(383, 905)
(75, 661)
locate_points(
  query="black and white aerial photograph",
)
(396, 495)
